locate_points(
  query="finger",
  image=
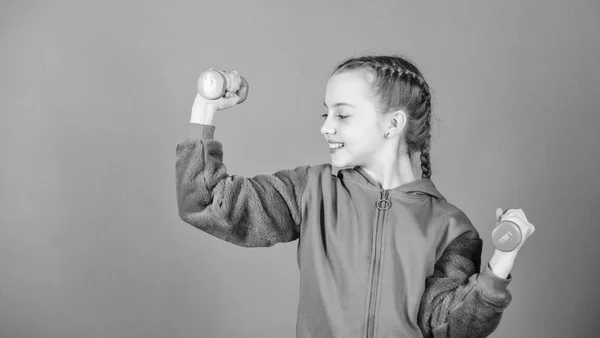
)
(243, 92)
(518, 213)
(523, 215)
(236, 81)
(499, 213)
(226, 103)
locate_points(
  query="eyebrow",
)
(339, 104)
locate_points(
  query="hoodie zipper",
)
(382, 205)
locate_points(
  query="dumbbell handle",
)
(214, 84)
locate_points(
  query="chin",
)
(338, 163)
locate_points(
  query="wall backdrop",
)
(95, 96)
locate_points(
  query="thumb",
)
(228, 100)
(499, 213)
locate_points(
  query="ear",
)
(398, 122)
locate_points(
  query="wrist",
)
(502, 262)
(202, 112)
(505, 255)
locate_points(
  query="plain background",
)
(95, 96)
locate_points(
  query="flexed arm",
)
(461, 301)
(258, 211)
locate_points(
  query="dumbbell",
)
(507, 235)
(214, 84)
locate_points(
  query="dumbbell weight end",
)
(214, 84)
(211, 84)
(506, 236)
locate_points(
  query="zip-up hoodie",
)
(373, 262)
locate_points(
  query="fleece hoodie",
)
(373, 262)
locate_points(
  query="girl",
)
(380, 252)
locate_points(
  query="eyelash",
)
(340, 116)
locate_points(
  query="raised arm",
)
(258, 211)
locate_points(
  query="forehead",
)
(350, 86)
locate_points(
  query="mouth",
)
(335, 146)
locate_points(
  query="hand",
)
(229, 99)
(518, 217)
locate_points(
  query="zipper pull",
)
(383, 203)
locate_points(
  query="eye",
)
(338, 115)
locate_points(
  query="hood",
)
(416, 187)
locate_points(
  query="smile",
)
(333, 147)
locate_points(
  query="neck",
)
(391, 171)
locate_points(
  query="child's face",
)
(352, 119)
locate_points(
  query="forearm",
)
(461, 301)
(472, 309)
(502, 263)
(202, 112)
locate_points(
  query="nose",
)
(328, 128)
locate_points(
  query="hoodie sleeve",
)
(459, 300)
(251, 212)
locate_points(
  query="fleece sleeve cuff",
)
(492, 283)
(200, 131)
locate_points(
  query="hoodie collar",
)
(416, 187)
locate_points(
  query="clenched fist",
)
(517, 216)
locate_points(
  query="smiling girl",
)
(381, 252)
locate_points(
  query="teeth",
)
(335, 145)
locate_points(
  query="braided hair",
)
(398, 84)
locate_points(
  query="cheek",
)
(363, 136)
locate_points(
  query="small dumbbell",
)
(214, 84)
(506, 236)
